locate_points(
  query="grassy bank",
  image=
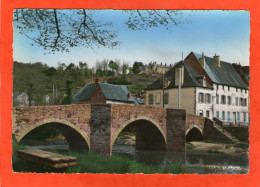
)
(89, 162)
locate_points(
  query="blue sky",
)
(225, 33)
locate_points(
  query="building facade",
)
(209, 87)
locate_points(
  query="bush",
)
(118, 81)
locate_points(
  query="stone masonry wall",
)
(210, 132)
(241, 133)
(194, 121)
(175, 122)
(26, 118)
(123, 115)
(100, 126)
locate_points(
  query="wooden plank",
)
(47, 158)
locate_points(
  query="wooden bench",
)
(46, 158)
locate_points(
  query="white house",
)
(209, 87)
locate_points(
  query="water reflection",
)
(201, 163)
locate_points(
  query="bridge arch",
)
(194, 133)
(63, 126)
(140, 119)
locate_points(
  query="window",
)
(207, 114)
(223, 99)
(201, 98)
(245, 91)
(217, 99)
(166, 98)
(223, 87)
(229, 100)
(217, 114)
(217, 86)
(228, 88)
(158, 98)
(150, 99)
(241, 103)
(245, 104)
(238, 116)
(244, 116)
(208, 98)
(223, 115)
(241, 90)
(201, 113)
(228, 115)
(236, 89)
(237, 101)
(99, 96)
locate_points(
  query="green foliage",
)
(37, 80)
(118, 81)
(136, 88)
(113, 65)
(68, 99)
(43, 132)
(104, 73)
(89, 162)
(50, 72)
(137, 66)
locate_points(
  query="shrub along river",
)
(192, 162)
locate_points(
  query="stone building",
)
(154, 68)
(104, 93)
(209, 87)
(20, 99)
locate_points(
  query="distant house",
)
(154, 68)
(209, 87)
(104, 93)
(20, 99)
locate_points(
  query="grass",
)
(89, 162)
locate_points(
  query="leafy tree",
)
(137, 66)
(59, 30)
(68, 98)
(113, 65)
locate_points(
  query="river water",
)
(200, 163)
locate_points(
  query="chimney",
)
(78, 89)
(202, 62)
(217, 59)
(96, 82)
(128, 95)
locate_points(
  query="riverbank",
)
(199, 146)
(89, 162)
(221, 148)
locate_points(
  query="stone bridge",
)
(96, 126)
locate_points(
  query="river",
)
(193, 162)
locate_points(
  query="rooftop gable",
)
(225, 74)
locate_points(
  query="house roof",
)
(110, 91)
(85, 93)
(226, 74)
(115, 92)
(190, 78)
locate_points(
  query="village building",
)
(20, 99)
(209, 87)
(154, 68)
(104, 93)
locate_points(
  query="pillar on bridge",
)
(100, 129)
(175, 129)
